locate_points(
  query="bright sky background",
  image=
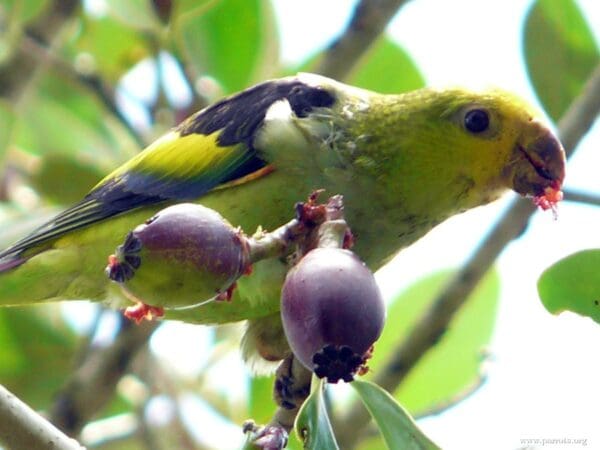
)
(543, 381)
(544, 378)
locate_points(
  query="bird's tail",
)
(38, 278)
(9, 262)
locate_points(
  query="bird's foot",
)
(269, 437)
(292, 384)
(226, 295)
(140, 311)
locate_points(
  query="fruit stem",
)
(265, 245)
(332, 234)
(328, 218)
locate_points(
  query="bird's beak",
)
(539, 168)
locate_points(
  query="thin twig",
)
(431, 326)
(587, 198)
(92, 81)
(21, 428)
(161, 382)
(368, 22)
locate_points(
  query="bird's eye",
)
(477, 120)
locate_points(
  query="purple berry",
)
(332, 312)
(182, 256)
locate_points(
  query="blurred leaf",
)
(312, 424)
(64, 179)
(62, 122)
(74, 97)
(573, 284)
(294, 442)
(227, 40)
(23, 10)
(35, 353)
(183, 7)
(60, 117)
(560, 53)
(7, 121)
(112, 47)
(138, 14)
(14, 15)
(452, 366)
(260, 399)
(388, 69)
(117, 405)
(399, 430)
(372, 442)
(54, 119)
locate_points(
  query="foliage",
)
(70, 119)
(573, 284)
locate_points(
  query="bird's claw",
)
(140, 311)
(269, 437)
(290, 390)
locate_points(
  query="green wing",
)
(173, 168)
(212, 147)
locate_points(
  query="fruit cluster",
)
(331, 307)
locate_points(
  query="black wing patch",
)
(240, 116)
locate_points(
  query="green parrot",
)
(404, 163)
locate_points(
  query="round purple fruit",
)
(184, 255)
(332, 312)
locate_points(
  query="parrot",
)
(404, 163)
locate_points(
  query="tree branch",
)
(92, 385)
(368, 22)
(35, 50)
(21, 428)
(20, 67)
(431, 326)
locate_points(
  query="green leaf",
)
(7, 121)
(55, 168)
(183, 7)
(453, 366)
(35, 353)
(260, 403)
(560, 53)
(69, 132)
(388, 69)
(573, 284)
(23, 10)
(399, 430)
(136, 13)
(228, 40)
(112, 46)
(312, 424)
(62, 117)
(50, 122)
